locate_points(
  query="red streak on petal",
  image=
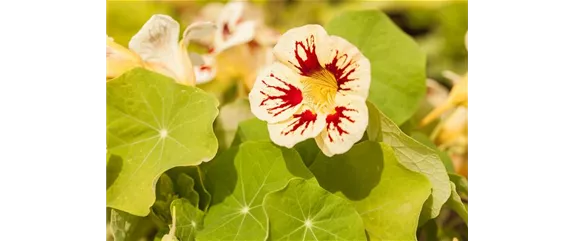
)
(291, 96)
(311, 63)
(305, 118)
(335, 120)
(211, 50)
(341, 74)
(226, 31)
(205, 68)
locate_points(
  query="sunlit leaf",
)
(238, 180)
(388, 196)
(397, 62)
(123, 225)
(189, 219)
(154, 124)
(415, 157)
(424, 139)
(251, 130)
(305, 211)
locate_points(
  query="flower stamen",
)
(319, 90)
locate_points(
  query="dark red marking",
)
(335, 120)
(311, 63)
(291, 96)
(205, 68)
(252, 45)
(226, 31)
(305, 118)
(341, 74)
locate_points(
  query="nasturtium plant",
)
(397, 62)
(388, 196)
(188, 217)
(238, 180)
(123, 225)
(195, 173)
(154, 124)
(424, 139)
(415, 157)
(180, 167)
(305, 211)
(456, 204)
(256, 130)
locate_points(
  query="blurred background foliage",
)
(439, 27)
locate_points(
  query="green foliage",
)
(238, 181)
(397, 63)
(388, 196)
(162, 137)
(153, 124)
(305, 211)
(414, 156)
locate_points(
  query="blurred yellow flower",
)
(452, 133)
(156, 48)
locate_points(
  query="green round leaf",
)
(154, 124)
(414, 156)
(185, 189)
(251, 130)
(397, 62)
(305, 211)
(238, 180)
(388, 196)
(424, 139)
(189, 219)
(196, 173)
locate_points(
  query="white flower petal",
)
(242, 33)
(210, 12)
(198, 31)
(350, 67)
(303, 48)
(203, 67)
(302, 125)
(157, 44)
(345, 126)
(276, 94)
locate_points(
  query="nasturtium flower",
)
(156, 48)
(240, 27)
(317, 88)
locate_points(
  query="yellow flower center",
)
(319, 90)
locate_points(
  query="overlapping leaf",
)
(154, 124)
(305, 211)
(397, 62)
(388, 196)
(189, 219)
(414, 156)
(238, 180)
